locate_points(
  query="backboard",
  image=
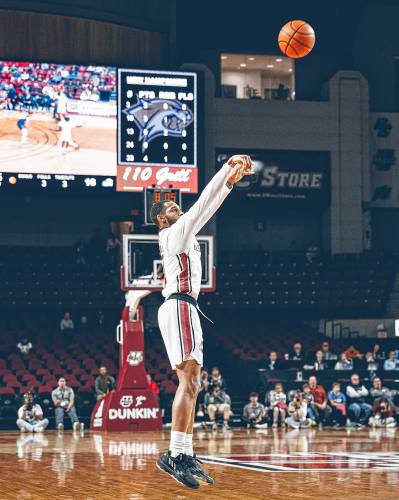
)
(142, 265)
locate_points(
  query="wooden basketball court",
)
(261, 464)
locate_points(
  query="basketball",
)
(296, 39)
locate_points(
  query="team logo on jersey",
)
(156, 116)
(134, 358)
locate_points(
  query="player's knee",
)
(192, 387)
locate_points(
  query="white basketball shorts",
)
(181, 331)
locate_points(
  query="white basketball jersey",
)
(180, 250)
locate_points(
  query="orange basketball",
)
(296, 39)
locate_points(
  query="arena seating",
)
(354, 285)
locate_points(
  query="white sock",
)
(177, 440)
(188, 445)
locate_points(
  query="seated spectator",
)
(383, 414)
(297, 412)
(359, 411)
(352, 353)
(308, 397)
(392, 362)
(204, 389)
(371, 364)
(218, 402)
(64, 401)
(377, 353)
(30, 416)
(377, 392)
(321, 409)
(327, 354)
(276, 402)
(104, 383)
(66, 323)
(319, 364)
(83, 325)
(216, 379)
(344, 363)
(297, 354)
(382, 332)
(254, 412)
(274, 363)
(24, 346)
(152, 385)
(337, 401)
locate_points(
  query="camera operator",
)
(297, 411)
(64, 401)
(382, 414)
(254, 412)
(30, 416)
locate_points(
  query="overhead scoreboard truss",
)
(157, 130)
(142, 267)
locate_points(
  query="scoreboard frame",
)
(176, 74)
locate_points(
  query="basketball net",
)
(133, 298)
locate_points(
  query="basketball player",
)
(66, 125)
(23, 125)
(178, 316)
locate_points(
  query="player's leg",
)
(174, 462)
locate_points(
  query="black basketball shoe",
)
(178, 468)
(196, 470)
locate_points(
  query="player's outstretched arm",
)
(210, 200)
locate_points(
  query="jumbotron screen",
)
(58, 125)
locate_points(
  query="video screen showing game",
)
(57, 120)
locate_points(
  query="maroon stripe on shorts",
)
(184, 282)
(185, 327)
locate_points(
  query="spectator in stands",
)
(382, 331)
(371, 364)
(254, 412)
(204, 389)
(327, 354)
(24, 346)
(321, 409)
(297, 412)
(276, 402)
(81, 252)
(383, 414)
(30, 415)
(218, 402)
(377, 353)
(308, 397)
(104, 383)
(66, 323)
(274, 363)
(337, 401)
(392, 362)
(358, 409)
(319, 364)
(64, 401)
(216, 379)
(297, 354)
(152, 384)
(378, 391)
(344, 363)
(83, 325)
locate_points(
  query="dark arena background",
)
(105, 109)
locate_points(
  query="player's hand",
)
(241, 165)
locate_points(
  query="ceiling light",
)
(251, 59)
(243, 65)
(270, 66)
(279, 60)
(290, 70)
(223, 57)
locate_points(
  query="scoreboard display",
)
(157, 130)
